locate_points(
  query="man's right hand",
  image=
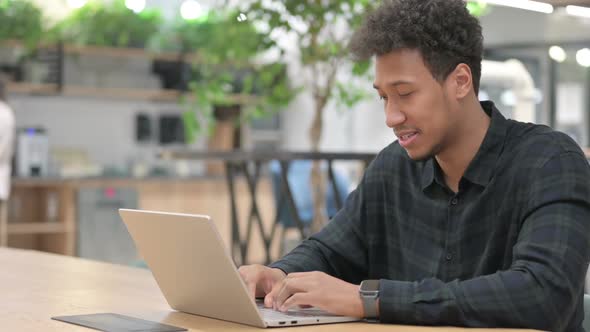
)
(260, 280)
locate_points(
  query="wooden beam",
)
(121, 93)
(126, 52)
(32, 88)
(38, 228)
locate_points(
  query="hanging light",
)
(578, 11)
(557, 53)
(136, 6)
(536, 6)
(483, 95)
(583, 57)
(190, 10)
(508, 98)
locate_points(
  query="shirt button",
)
(449, 257)
(454, 201)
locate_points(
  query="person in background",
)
(7, 134)
(468, 219)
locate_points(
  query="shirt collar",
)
(427, 173)
(481, 168)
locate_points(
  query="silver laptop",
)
(197, 275)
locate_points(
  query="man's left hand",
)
(319, 290)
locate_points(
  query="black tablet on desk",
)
(110, 322)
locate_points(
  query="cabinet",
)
(41, 215)
(70, 217)
(101, 235)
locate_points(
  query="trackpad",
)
(117, 323)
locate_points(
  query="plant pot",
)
(225, 136)
(173, 74)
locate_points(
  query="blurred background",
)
(198, 106)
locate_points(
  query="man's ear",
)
(461, 80)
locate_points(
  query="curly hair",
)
(443, 31)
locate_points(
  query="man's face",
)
(417, 106)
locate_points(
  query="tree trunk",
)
(321, 95)
(318, 177)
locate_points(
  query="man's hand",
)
(316, 289)
(260, 279)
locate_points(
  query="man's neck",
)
(465, 143)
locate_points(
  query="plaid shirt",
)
(510, 249)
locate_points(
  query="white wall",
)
(361, 129)
(103, 128)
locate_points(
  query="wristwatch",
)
(369, 293)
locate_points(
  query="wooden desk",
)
(36, 286)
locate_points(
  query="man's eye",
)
(382, 98)
(405, 94)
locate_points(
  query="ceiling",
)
(567, 2)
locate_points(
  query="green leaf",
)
(21, 20)
(477, 8)
(191, 126)
(359, 68)
(108, 25)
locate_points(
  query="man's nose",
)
(394, 117)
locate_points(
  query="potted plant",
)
(112, 25)
(322, 30)
(20, 21)
(227, 82)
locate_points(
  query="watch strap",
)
(369, 299)
(370, 306)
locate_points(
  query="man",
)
(468, 219)
(6, 149)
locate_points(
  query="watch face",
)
(370, 286)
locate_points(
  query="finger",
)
(243, 271)
(270, 296)
(268, 300)
(299, 299)
(243, 275)
(290, 287)
(267, 284)
(280, 295)
(252, 289)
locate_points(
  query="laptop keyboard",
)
(309, 312)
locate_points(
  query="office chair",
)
(298, 176)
